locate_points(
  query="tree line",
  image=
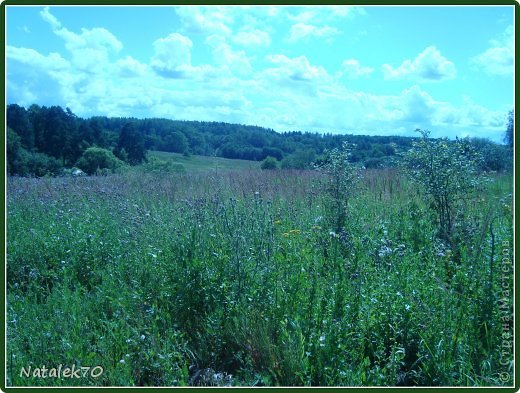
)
(44, 140)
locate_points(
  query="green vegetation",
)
(391, 264)
(95, 159)
(197, 164)
(45, 140)
(179, 279)
(447, 174)
(269, 163)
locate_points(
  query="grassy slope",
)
(203, 163)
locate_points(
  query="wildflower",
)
(291, 232)
(122, 361)
(384, 250)
(143, 337)
(278, 222)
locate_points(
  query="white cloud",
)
(205, 20)
(224, 55)
(323, 14)
(354, 69)
(52, 62)
(499, 58)
(301, 31)
(91, 49)
(305, 16)
(252, 37)
(49, 18)
(317, 21)
(288, 93)
(429, 65)
(172, 56)
(130, 67)
(297, 69)
(40, 77)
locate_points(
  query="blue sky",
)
(337, 69)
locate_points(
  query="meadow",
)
(240, 278)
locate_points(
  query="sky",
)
(380, 70)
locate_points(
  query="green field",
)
(202, 163)
(238, 277)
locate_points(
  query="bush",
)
(156, 165)
(342, 178)
(300, 159)
(269, 163)
(96, 158)
(446, 172)
(25, 163)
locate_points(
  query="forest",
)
(49, 140)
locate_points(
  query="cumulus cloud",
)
(225, 56)
(32, 76)
(287, 93)
(130, 67)
(296, 69)
(172, 56)
(52, 62)
(326, 13)
(301, 31)
(316, 21)
(90, 49)
(499, 58)
(353, 69)
(429, 65)
(253, 37)
(205, 20)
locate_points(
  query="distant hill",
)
(52, 138)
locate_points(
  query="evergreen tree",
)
(132, 142)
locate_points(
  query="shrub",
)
(300, 159)
(342, 176)
(446, 172)
(269, 163)
(157, 165)
(96, 158)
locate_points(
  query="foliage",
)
(157, 165)
(447, 173)
(26, 163)
(341, 176)
(132, 143)
(496, 158)
(59, 133)
(269, 163)
(164, 278)
(96, 158)
(175, 142)
(300, 159)
(510, 131)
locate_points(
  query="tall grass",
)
(161, 279)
